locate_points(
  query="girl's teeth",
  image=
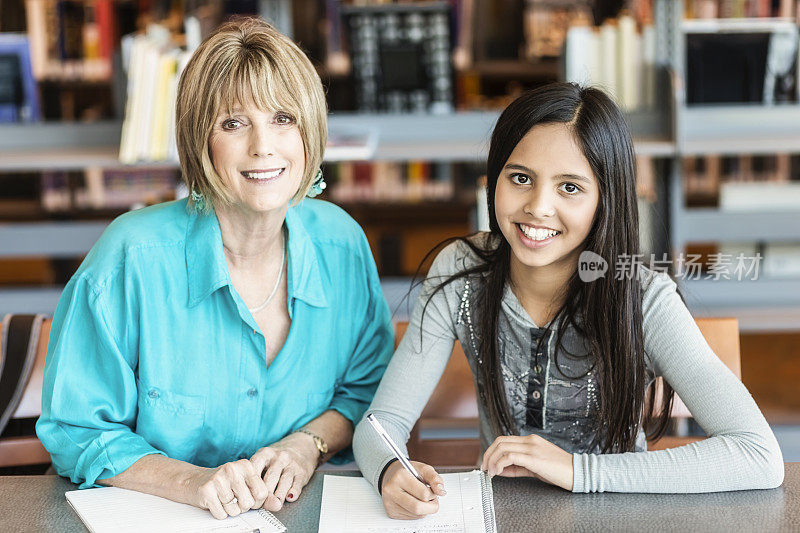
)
(538, 234)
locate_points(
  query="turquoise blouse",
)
(152, 350)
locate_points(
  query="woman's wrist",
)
(187, 492)
(319, 444)
(301, 444)
(161, 476)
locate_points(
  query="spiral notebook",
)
(120, 510)
(351, 505)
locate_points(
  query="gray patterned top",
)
(556, 397)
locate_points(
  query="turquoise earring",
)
(199, 200)
(318, 186)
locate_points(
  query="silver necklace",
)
(274, 289)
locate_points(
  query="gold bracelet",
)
(322, 446)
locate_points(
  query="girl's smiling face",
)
(546, 199)
(259, 155)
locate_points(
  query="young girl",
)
(562, 365)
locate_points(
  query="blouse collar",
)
(207, 269)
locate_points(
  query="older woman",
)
(214, 350)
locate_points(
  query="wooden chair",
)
(453, 405)
(27, 450)
(722, 336)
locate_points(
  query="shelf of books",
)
(735, 185)
(71, 238)
(762, 305)
(460, 136)
(734, 74)
(748, 243)
(741, 129)
(709, 89)
(734, 207)
(403, 162)
(715, 225)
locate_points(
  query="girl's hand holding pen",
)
(405, 497)
(530, 456)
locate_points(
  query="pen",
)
(395, 450)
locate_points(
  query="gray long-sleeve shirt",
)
(555, 398)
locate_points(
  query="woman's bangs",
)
(253, 81)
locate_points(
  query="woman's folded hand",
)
(285, 467)
(227, 490)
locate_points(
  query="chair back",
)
(453, 406)
(454, 397)
(21, 383)
(722, 336)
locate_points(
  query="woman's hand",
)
(286, 466)
(530, 456)
(227, 490)
(405, 497)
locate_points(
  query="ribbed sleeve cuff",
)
(371, 453)
(578, 473)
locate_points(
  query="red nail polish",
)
(291, 496)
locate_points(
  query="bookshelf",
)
(462, 136)
(71, 238)
(667, 132)
(710, 224)
(765, 304)
(400, 137)
(454, 137)
(751, 129)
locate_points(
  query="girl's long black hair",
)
(607, 312)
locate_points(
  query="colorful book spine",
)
(22, 99)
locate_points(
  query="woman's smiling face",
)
(546, 199)
(259, 155)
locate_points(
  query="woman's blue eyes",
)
(522, 179)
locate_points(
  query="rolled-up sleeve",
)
(89, 395)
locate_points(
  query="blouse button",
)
(153, 394)
(536, 395)
(252, 393)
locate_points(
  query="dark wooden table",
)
(37, 503)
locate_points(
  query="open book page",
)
(119, 510)
(351, 505)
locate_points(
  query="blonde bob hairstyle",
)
(246, 60)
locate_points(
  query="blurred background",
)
(709, 87)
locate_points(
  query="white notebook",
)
(119, 510)
(351, 505)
